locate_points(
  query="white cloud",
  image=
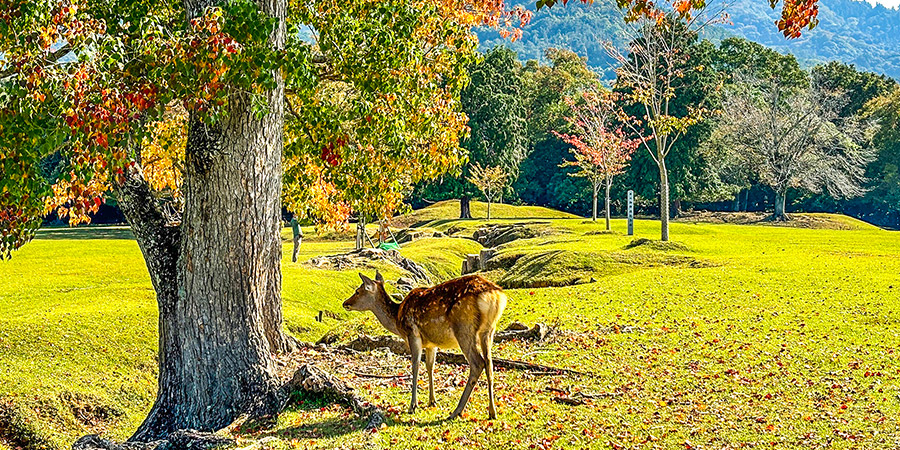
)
(888, 3)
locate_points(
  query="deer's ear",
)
(378, 277)
(368, 284)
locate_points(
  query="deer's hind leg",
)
(486, 339)
(430, 354)
(469, 346)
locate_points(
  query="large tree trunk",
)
(606, 203)
(780, 197)
(663, 200)
(219, 303)
(465, 211)
(676, 207)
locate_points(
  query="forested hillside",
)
(850, 31)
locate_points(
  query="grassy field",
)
(737, 336)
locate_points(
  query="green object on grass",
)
(389, 246)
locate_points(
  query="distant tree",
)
(542, 181)
(490, 180)
(693, 173)
(883, 200)
(734, 60)
(651, 74)
(738, 57)
(548, 86)
(601, 149)
(494, 102)
(792, 139)
(859, 86)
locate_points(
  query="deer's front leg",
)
(415, 352)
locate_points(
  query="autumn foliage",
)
(602, 149)
(796, 15)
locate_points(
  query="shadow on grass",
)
(84, 233)
(529, 220)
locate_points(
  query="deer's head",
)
(368, 295)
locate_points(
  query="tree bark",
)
(489, 209)
(465, 211)
(606, 203)
(594, 202)
(780, 200)
(736, 205)
(220, 302)
(663, 200)
(676, 207)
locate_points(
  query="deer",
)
(460, 313)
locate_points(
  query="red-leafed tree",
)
(601, 149)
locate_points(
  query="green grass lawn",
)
(780, 337)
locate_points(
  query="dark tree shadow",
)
(84, 233)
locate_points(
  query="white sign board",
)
(630, 212)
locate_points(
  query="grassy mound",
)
(441, 257)
(556, 268)
(449, 210)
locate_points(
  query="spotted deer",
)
(460, 313)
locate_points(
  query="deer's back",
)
(434, 311)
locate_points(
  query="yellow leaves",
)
(162, 152)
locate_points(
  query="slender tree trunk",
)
(360, 234)
(676, 207)
(746, 200)
(736, 205)
(608, 185)
(594, 201)
(465, 211)
(219, 303)
(489, 209)
(780, 212)
(663, 200)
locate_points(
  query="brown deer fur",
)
(460, 313)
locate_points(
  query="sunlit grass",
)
(788, 336)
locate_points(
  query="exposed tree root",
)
(179, 440)
(311, 379)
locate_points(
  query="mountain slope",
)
(851, 31)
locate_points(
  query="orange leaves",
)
(77, 199)
(796, 15)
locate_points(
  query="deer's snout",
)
(348, 304)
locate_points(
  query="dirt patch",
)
(797, 220)
(663, 246)
(491, 236)
(364, 258)
(89, 410)
(602, 233)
